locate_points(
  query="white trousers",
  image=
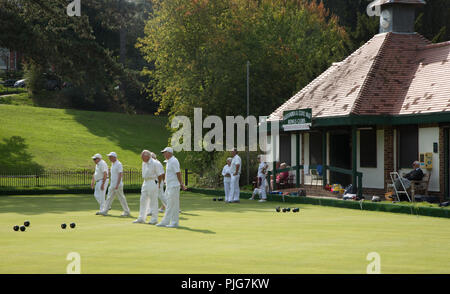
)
(112, 194)
(160, 196)
(261, 190)
(234, 188)
(149, 193)
(226, 186)
(172, 215)
(99, 194)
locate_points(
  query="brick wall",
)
(441, 163)
(388, 154)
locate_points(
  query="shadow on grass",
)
(15, 158)
(130, 132)
(195, 230)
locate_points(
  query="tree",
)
(200, 48)
(81, 50)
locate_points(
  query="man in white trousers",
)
(261, 186)
(149, 190)
(116, 186)
(172, 193)
(160, 185)
(100, 180)
(226, 173)
(236, 173)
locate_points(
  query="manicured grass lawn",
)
(216, 237)
(66, 139)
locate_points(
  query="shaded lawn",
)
(66, 139)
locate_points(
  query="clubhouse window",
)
(408, 146)
(315, 148)
(368, 148)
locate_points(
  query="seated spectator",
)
(415, 175)
(283, 176)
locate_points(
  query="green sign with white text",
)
(296, 120)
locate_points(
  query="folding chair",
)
(315, 176)
(394, 176)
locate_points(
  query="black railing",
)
(60, 178)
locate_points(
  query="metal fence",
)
(61, 178)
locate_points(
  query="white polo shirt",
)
(100, 168)
(226, 170)
(261, 166)
(150, 170)
(159, 166)
(172, 168)
(116, 169)
(235, 161)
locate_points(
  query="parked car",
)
(20, 83)
(9, 83)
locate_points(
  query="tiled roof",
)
(391, 74)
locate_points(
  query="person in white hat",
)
(116, 186)
(172, 193)
(160, 185)
(261, 186)
(100, 180)
(226, 173)
(235, 175)
(149, 191)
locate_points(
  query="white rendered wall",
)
(428, 136)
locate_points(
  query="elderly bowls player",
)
(226, 173)
(261, 185)
(116, 186)
(235, 175)
(100, 181)
(172, 193)
(149, 192)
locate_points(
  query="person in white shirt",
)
(261, 186)
(235, 175)
(172, 193)
(100, 180)
(149, 190)
(226, 173)
(160, 185)
(116, 186)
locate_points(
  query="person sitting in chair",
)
(415, 175)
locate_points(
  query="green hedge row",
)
(364, 205)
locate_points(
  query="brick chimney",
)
(398, 16)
